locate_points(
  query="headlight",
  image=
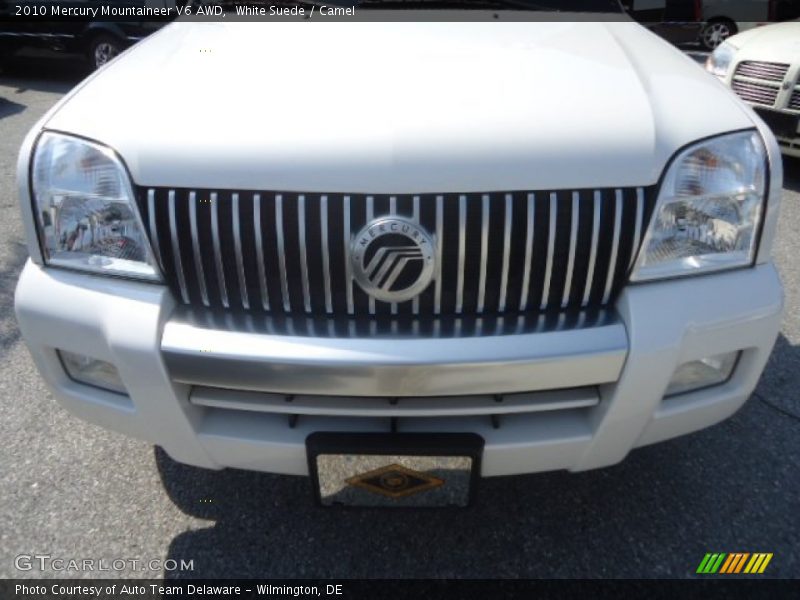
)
(708, 209)
(85, 209)
(720, 60)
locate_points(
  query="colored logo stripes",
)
(734, 562)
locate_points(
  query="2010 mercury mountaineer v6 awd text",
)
(398, 257)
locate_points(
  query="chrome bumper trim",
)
(394, 366)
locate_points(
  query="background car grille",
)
(759, 82)
(496, 253)
(757, 93)
(794, 102)
(762, 70)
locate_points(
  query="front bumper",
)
(576, 397)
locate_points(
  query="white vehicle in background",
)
(763, 67)
(725, 18)
(708, 22)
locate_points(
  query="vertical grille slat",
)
(237, 240)
(262, 272)
(526, 269)
(614, 246)
(348, 277)
(496, 252)
(637, 232)
(176, 249)
(287, 303)
(151, 213)
(573, 240)
(393, 212)
(462, 249)
(220, 269)
(593, 249)
(551, 244)
(484, 251)
(416, 218)
(370, 216)
(501, 305)
(198, 261)
(301, 232)
(326, 260)
(438, 276)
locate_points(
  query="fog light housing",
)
(702, 373)
(92, 371)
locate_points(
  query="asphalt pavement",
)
(72, 490)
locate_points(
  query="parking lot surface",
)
(71, 490)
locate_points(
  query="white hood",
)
(400, 107)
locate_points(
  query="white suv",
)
(763, 67)
(400, 256)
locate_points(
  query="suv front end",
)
(564, 323)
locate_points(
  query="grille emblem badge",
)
(393, 259)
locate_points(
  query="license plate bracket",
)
(394, 470)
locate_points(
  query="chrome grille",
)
(757, 93)
(497, 253)
(768, 71)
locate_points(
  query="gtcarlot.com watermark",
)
(47, 562)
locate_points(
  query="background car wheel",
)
(102, 49)
(715, 32)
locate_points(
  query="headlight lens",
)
(92, 371)
(720, 60)
(86, 214)
(708, 210)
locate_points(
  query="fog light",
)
(702, 373)
(92, 371)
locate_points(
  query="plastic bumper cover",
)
(626, 366)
